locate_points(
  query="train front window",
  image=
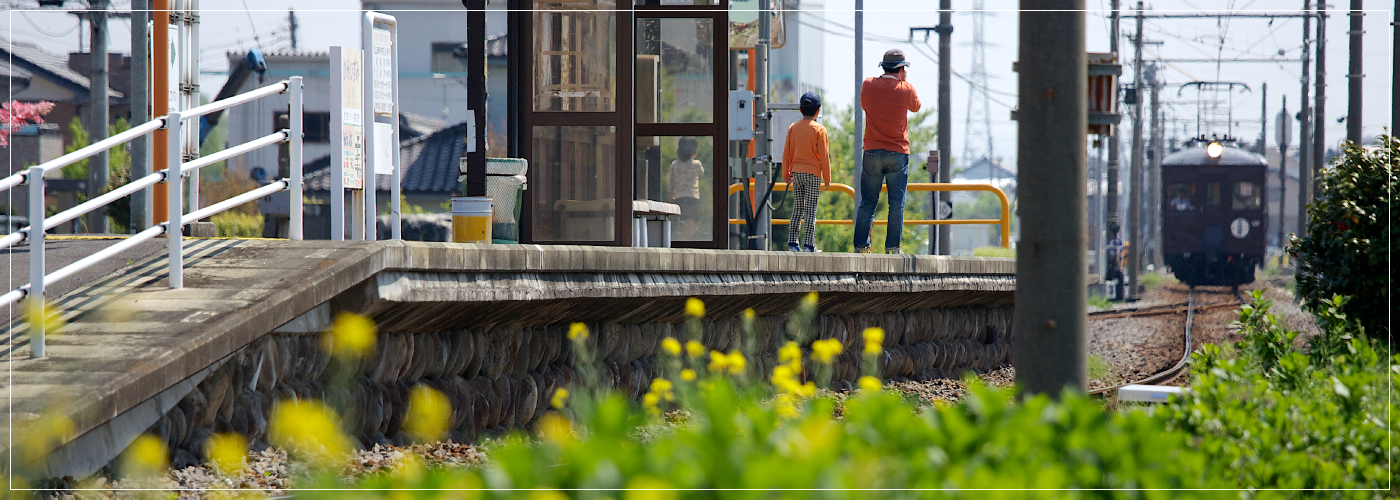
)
(1246, 196)
(1213, 194)
(1181, 195)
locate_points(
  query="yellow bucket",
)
(471, 219)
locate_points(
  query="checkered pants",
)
(806, 190)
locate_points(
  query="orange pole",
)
(160, 101)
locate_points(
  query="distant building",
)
(799, 65)
(46, 76)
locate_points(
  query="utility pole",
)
(1304, 130)
(762, 163)
(857, 149)
(140, 111)
(97, 117)
(1354, 74)
(1264, 121)
(945, 121)
(1110, 206)
(1281, 128)
(1135, 236)
(1154, 181)
(1319, 149)
(292, 26)
(1051, 129)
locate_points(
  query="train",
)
(1213, 213)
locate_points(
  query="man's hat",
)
(809, 100)
(894, 58)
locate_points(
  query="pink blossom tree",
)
(15, 114)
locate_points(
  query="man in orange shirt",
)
(886, 99)
(806, 155)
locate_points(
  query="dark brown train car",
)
(1213, 217)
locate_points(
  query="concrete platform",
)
(132, 345)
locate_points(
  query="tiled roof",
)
(413, 125)
(8, 71)
(429, 164)
(30, 57)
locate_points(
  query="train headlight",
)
(1214, 150)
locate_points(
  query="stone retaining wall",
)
(501, 377)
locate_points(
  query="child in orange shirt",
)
(805, 157)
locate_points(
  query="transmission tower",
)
(979, 117)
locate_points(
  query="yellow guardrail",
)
(1004, 221)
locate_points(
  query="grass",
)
(1009, 253)
(1100, 302)
(1150, 280)
(238, 225)
(1099, 369)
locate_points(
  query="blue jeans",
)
(879, 166)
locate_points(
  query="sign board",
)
(351, 116)
(384, 148)
(172, 72)
(383, 72)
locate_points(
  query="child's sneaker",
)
(808, 248)
(792, 247)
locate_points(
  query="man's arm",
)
(914, 104)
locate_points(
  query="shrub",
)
(1009, 253)
(1350, 233)
(238, 225)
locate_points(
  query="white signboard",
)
(352, 140)
(172, 72)
(383, 72)
(384, 148)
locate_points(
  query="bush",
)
(238, 225)
(1009, 253)
(1350, 233)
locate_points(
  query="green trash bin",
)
(505, 183)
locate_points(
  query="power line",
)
(41, 29)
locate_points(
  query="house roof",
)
(429, 164)
(30, 57)
(984, 168)
(9, 71)
(412, 125)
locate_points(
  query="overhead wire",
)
(41, 29)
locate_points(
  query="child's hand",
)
(787, 177)
(826, 186)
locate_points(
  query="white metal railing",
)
(176, 169)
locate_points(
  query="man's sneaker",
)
(808, 248)
(893, 251)
(863, 250)
(792, 247)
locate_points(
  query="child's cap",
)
(810, 100)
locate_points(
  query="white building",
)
(798, 66)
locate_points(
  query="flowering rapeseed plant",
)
(429, 414)
(874, 340)
(578, 331)
(310, 427)
(227, 450)
(146, 457)
(671, 346)
(561, 395)
(351, 337)
(694, 348)
(825, 350)
(694, 308)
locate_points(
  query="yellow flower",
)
(825, 350)
(687, 375)
(749, 314)
(790, 354)
(786, 406)
(785, 379)
(146, 456)
(807, 390)
(650, 400)
(737, 364)
(351, 336)
(429, 413)
(810, 300)
(578, 331)
(555, 428)
(694, 349)
(874, 340)
(42, 435)
(718, 361)
(52, 318)
(694, 308)
(671, 346)
(310, 426)
(560, 396)
(869, 383)
(226, 450)
(659, 385)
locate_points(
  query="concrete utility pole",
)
(945, 122)
(1051, 129)
(1284, 120)
(1305, 130)
(1354, 74)
(97, 117)
(140, 111)
(1264, 121)
(1154, 177)
(1135, 236)
(761, 149)
(1110, 205)
(1319, 149)
(858, 114)
(292, 26)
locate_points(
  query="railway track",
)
(1190, 308)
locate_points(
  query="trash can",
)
(506, 183)
(471, 219)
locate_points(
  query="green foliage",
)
(1275, 418)
(1150, 280)
(1099, 369)
(1100, 302)
(118, 170)
(1350, 233)
(234, 224)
